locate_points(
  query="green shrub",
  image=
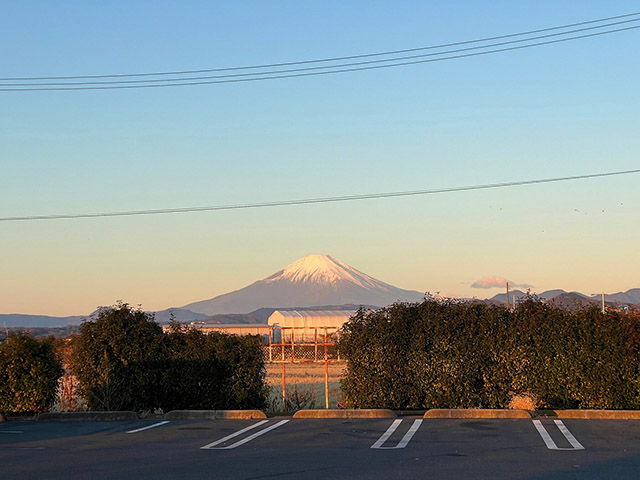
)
(111, 359)
(453, 354)
(123, 361)
(29, 374)
(244, 360)
(212, 371)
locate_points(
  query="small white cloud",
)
(490, 282)
(497, 282)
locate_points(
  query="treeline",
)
(40, 332)
(122, 360)
(452, 354)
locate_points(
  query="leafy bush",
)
(123, 361)
(244, 360)
(453, 354)
(111, 358)
(29, 374)
(212, 371)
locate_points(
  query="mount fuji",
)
(314, 280)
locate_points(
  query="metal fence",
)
(301, 344)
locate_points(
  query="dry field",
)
(304, 385)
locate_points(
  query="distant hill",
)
(572, 299)
(180, 314)
(44, 321)
(20, 320)
(549, 294)
(546, 295)
(629, 297)
(502, 297)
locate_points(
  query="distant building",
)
(299, 326)
(306, 324)
(290, 335)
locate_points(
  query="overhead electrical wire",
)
(293, 75)
(315, 70)
(333, 59)
(310, 201)
(367, 62)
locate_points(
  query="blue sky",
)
(565, 109)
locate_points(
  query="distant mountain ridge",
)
(13, 320)
(314, 280)
(22, 320)
(562, 297)
(630, 296)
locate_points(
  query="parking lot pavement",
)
(408, 447)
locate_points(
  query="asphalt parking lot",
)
(282, 447)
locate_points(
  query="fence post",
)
(315, 341)
(326, 376)
(284, 390)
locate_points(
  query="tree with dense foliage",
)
(124, 361)
(29, 374)
(113, 358)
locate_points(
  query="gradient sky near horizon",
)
(557, 110)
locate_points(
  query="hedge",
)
(212, 371)
(124, 361)
(454, 354)
(111, 356)
(29, 374)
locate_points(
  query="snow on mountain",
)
(324, 269)
(311, 281)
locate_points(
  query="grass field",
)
(304, 384)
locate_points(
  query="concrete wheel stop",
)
(214, 415)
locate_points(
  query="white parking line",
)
(212, 446)
(385, 436)
(149, 426)
(392, 428)
(229, 437)
(551, 445)
(568, 435)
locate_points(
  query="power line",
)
(309, 201)
(294, 75)
(324, 67)
(324, 60)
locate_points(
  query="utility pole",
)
(602, 302)
(508, 304)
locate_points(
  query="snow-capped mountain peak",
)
(314, 280)
(322, 269)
